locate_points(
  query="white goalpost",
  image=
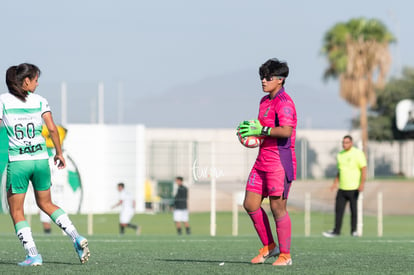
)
(379, 215)
(360, 220)
(90, 224)
(307, 214)
(238, 201)
(213, 193)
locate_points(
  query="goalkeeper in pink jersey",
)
(275, 167)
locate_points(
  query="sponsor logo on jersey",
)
(30, 149)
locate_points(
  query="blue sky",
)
(187, 63)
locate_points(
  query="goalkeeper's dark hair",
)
(274, 67)
(15, 76)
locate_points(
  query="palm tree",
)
(358, 55)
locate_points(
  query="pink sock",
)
(284, 231)
(261, 223)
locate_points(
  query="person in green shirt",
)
(350, 180)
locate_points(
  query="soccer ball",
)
(250, 141)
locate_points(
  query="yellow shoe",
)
(265, 253)
(284, 259)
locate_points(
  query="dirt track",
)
(398, 196)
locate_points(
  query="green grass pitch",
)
(158, 250)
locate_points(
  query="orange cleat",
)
(265, 253)
(284, 259)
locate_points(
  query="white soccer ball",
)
(250, 141)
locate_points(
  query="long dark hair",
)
(15, 76)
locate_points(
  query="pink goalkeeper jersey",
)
(276, 152)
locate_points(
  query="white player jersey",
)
(127, 200)
(23, 122)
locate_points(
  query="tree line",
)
(359, 57)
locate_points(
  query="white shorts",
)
(181, 215)
(44, 217)
(125, 217)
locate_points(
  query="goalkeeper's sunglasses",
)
(270, 77)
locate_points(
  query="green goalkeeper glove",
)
(253, 128)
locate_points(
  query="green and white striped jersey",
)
(23, 122)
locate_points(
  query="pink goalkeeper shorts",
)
(268, 183)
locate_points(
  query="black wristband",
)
(266, 131)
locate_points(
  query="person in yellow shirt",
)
(350, 180)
